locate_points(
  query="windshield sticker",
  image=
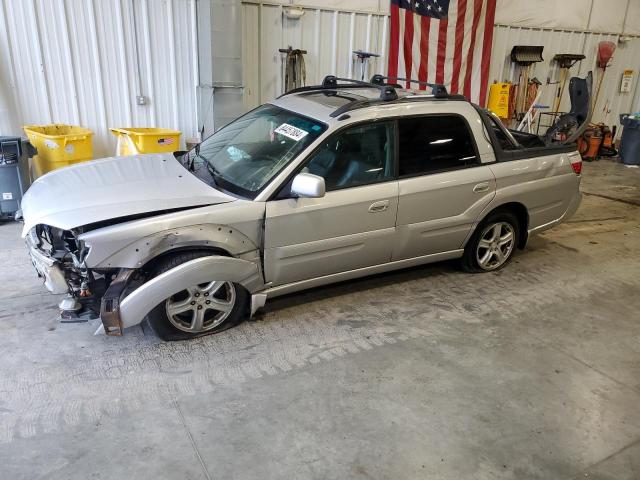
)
(292, 132)
(236, 154)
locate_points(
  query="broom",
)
(605, 52)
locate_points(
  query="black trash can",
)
(14, 174)
(630, 142)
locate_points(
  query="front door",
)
(353, 225)
(443, 186)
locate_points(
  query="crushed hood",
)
(114, 187)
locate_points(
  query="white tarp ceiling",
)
(610, 16)
(605, 16)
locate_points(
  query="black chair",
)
(577, 120)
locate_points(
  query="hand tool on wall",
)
(524, 56)
(364, 57)
(295, 73)
(605, 53)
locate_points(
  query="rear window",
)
(503, 140)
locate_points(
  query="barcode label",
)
(290, 131)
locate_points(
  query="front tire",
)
(493, 244)
(198, 309)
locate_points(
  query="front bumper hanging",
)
(48, 269)
(110, 303)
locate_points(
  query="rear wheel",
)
(493, 244)
(197, 310)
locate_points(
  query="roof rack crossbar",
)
(387, 91)
(315, 88)
(357, 104)
(330, 82)
(439, 90)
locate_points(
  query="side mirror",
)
(308, 185)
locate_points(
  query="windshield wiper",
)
(185, 159)
(191, 165)
(213, 172)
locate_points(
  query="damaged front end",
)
(122, 296)
(59, 258)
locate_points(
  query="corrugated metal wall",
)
(84, 62)
(611, 100)
(329, 35)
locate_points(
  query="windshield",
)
(245, 155)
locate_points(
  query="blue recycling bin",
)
(630, 142)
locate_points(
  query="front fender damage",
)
(135, 306)
(111, 247)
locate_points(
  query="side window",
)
(357, 156)
(433, 144)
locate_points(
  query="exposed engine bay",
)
(64, 247)
(68, 253)
(59, 256)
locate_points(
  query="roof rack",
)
(387, 91)
(330, 82)
(439, 90)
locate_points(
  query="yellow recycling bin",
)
(132, 141)
(58, 145)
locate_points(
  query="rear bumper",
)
(48, 269)
(573, 207)
(571, 210)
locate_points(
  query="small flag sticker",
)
(165, 141)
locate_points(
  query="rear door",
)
(443, 184)
(353, 225)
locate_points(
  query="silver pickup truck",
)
(322, 185)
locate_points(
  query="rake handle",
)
(595, 99)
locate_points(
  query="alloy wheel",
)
(202, 307)
(495, 245)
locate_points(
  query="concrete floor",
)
(531, 372)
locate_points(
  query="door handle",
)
(380, 206)
(481, 187)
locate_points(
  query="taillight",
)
(576, 164)
(577, 167)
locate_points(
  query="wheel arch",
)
(135, 306)
(522, 214)
(210, 250)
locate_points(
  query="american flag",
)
(443, 41)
